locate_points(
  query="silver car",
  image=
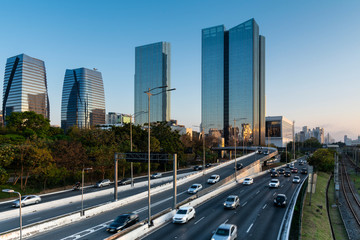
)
(225, 232)
(27, 200)
(232, 201)
(102, 183)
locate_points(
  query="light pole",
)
(202, 126)
(12, 191)
(235, 136)
(131, 146)
(149, 94)
(82, 190)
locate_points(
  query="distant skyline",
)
(312, 54)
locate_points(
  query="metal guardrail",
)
(285, 226)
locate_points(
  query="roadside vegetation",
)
(315, 221)
(36, 156)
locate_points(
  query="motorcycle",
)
(77, 186)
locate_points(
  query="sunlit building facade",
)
(83, 99)
(233, 81)
(279, 131)
(152, 69)
(25, 86)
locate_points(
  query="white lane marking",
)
(199, 220)
(34, 219)
(226, 221)
(282, 185)
(87, 231)
(257, 192)
(249, 228)
(241, 191)
(264, 206)
(274, 193)
(244, 204)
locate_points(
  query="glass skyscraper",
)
(152, 69)
(83, 99)
(25, 86)
(233, 81)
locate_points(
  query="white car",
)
(27, 200)
(274, 183)
(225, 232)
(156, 175)
(195, 188)
(296, 179)
(232, 201)
(213, 179)
(248, 181)
(184, 214)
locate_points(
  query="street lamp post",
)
(82, 190)
(149, 94)
(12, 191)
(235, 142)
(131, 146)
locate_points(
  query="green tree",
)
(28, 123)
(312, 143)
(323, 160)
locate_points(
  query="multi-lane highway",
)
(256, 217)
(94, 227)
(68, 207)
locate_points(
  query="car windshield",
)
(213, 177)
(280, 198)
(230, 199)
(23, 198)
(193, 186)
(296, 177)
(121, 219)
(247, 179)
(274, 181)
(222, 232)
(181, 211)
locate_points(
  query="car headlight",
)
(224, 204)
(274, 201)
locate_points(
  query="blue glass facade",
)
(83, 99)
(212, 78)
(25, 86)
(233, 80)
(152, 69)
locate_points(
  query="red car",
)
(294, 170)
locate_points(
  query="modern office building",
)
(279, 131)
(25, 86)
(117, 118)
(83, 99)
(152, 69)
(233, 81)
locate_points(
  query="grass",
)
(315, 221)
(336, 220)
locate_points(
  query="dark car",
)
(125, 181)
(288, 165)
(280, 200)
(122, 222)
(239, 166)
(197, 168)
(294, 170)
(208, 165)
(287, 174)
(304, 171)
(301, 162)
(281, 171)
(274, 174)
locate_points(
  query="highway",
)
(94, 227)
(256, 217)
(71, 207)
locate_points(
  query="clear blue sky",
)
(312, 51)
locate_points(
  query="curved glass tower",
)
(25, 86)
(83, 99)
